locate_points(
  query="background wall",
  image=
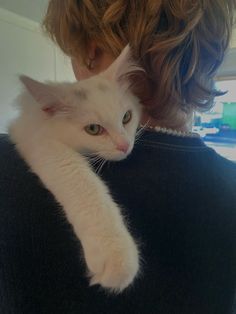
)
(32, 9)
(25, 50)
(228, 68)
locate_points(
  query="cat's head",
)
(95, 116)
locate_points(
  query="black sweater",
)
(180, 199)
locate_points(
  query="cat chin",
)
(115, 157)
(112, 157)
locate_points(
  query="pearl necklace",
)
(171, 131)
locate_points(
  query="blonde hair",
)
(180, 44)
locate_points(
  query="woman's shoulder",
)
(226, 167)
(18, 184)
(5, 144)
(8, 151)
(189, 154)
(12, 166)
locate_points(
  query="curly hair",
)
(179, 43)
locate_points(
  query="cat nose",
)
(123, 147)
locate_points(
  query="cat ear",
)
(46, 95)
(122, 66)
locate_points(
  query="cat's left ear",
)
(48, 96)
(122, 66)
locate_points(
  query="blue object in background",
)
(218, 127)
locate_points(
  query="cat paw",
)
(113, 266)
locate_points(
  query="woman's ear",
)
(97, 61)
(92, 48)
(50, 99)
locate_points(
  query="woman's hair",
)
(179, 43)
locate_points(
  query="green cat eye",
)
(127, 117)
(94, 129)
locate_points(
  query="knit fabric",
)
(179, 199)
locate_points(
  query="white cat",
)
(57, 125)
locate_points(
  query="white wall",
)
(228, 68)
(233, 40)
(32, 9)
(25, 50)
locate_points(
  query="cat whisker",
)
(142, 128)
(138, 135)
(95, 158)
(140, 132)
(91, 155)
(103, 164)
(96, 162)
(100, 166)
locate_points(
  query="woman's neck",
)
(181, 124)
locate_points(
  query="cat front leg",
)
(110, 252)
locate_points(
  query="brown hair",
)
(180, 44)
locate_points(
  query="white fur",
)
(53, 146)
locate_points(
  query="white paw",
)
(113, 262)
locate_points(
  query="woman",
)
(179, 195)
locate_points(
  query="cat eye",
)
(127, 117)
(94, 129)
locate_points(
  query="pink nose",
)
(123, 147)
